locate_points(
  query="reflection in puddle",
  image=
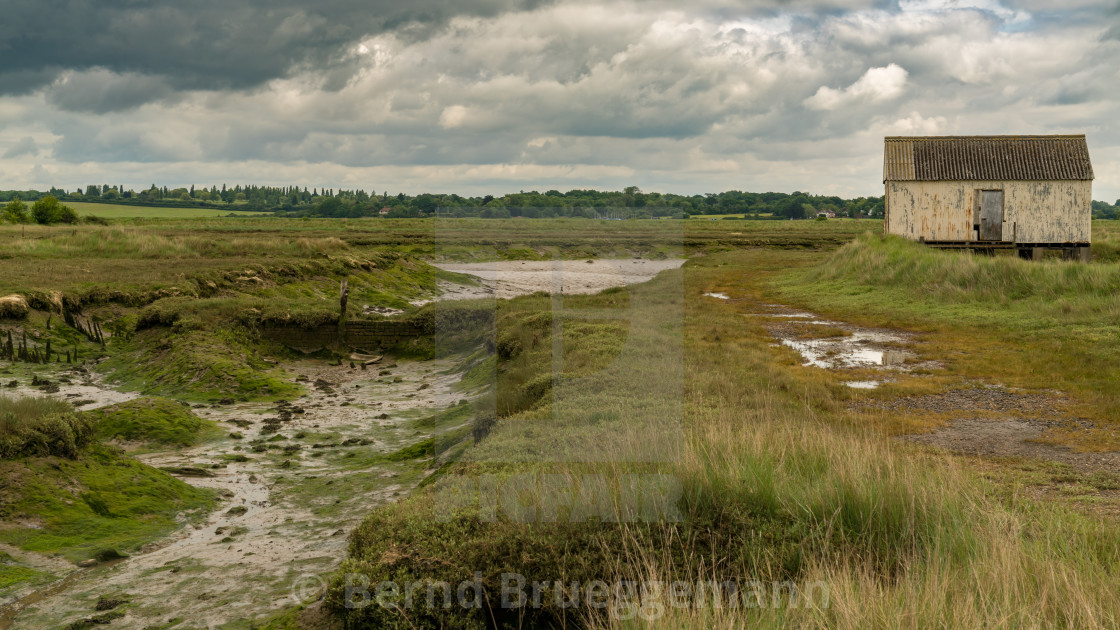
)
(721, 296)
(851, 351)
(862, 384)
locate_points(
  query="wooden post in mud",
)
(343, 297)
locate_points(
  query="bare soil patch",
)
(1049, 405)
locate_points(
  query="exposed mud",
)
(278, 531)
(1002, 422)
(1014, 438)
(79, 385)
(510, 278)
(1046, 406)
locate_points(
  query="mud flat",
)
(77, 385)
(511, 278)
(293, 477)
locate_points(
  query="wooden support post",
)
(343, 298)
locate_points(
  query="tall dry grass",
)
(951, 275)
(956, 556)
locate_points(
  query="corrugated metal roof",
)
(933, 158)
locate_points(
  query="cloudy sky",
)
(492, 96)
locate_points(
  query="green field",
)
(125, 211)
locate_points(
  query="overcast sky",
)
(494, 96)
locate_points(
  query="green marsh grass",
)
(780, 479)
(153, 423)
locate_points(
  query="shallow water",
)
(857, 350)
(862, 384)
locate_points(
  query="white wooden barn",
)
(987, 192)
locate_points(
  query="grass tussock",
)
(152, 421)
(199, 365)
(62, 491)
(13, 307)
(31, 427)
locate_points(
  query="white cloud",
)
(917, 125)
(452, 116)
(877, 84)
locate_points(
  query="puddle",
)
(856, 350)
(863, 384)
(833, 345)
(718, 296)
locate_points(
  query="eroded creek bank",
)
(293, 478)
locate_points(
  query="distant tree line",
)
(628, 203)
(631, 202)
(1103, 210)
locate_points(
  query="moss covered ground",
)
(152, 422)
(100, 500)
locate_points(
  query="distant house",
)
(385, 211)
(827, 214)
(987, 192)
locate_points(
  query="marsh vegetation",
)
(443, 459)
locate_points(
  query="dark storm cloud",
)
(203, 44)
(100, 91)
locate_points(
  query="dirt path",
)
(277, 534)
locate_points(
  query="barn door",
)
(991, 215)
